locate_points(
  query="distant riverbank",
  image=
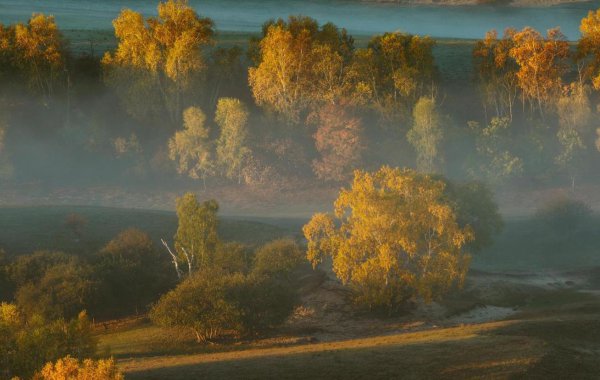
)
(509, 3)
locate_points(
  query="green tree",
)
(394, 236)
(233, 152)
(131, 272)
(197, 238)
(200, 305)
(426, 135)
(494, 145)
(191, 147)
(279, 257)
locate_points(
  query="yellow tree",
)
(392, 73)
(394, 235)
(542, 63)
(299, 65)
(69, 368)
(426, 135)
(158, 57)
(589, 45)
(40, 52)
(497, 73)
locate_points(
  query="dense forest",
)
(301, 107)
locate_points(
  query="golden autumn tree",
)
(392, 73)
(426, 135)
(497, 73)
(158, 59)
(298, 65)
(589, 46)
(394, 235)
(69, 368)
(542, 63)
(37, 50)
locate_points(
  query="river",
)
(359, 18)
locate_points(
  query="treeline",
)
(299, 102)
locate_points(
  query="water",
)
(358, 17)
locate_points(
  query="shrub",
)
(277, 257)
(69, 368)
(564, 213)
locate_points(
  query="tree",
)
(589, 46)
(393, 72)
(69, 368)
(298, 65)
(27, 343)
(426, 135)
(40, 52)
(200, 304)
(232, 150)
(279, 257)
(158, 58)
(541, 63)
(494, 144)
(197, 238)
(76, 224)
(574, 116)
(191, 147)
(339, 141)
(131, 272)
(62, 291)
(393, 236)
(497, 73)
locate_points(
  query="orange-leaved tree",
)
(394, 235)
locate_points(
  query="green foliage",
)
(496, 159)
(231, 258)
(26, 344)
(426, 135)
(232, 146)
(131, 272)
(200, 303)
(475, 207)
(279, 257)
(196, 238)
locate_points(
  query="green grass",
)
(27, 229)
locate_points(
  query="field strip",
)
(430, 336)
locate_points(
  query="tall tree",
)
(233, 152)
(426, 135)
(393, 236)
(298, 65)
(542, 63)
(392, 73)
(339, 141)
(191, 147)
(496, 71)
(197, 238)
(589, 46)
(159, 57)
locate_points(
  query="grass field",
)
(561, 343)
(27, 229)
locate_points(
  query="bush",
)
(201, 304)
(563, 213)
(132, 272)
(277, 257)
(27, 343)
(69, 368)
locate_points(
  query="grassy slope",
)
(26, 229)
(559, 346)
